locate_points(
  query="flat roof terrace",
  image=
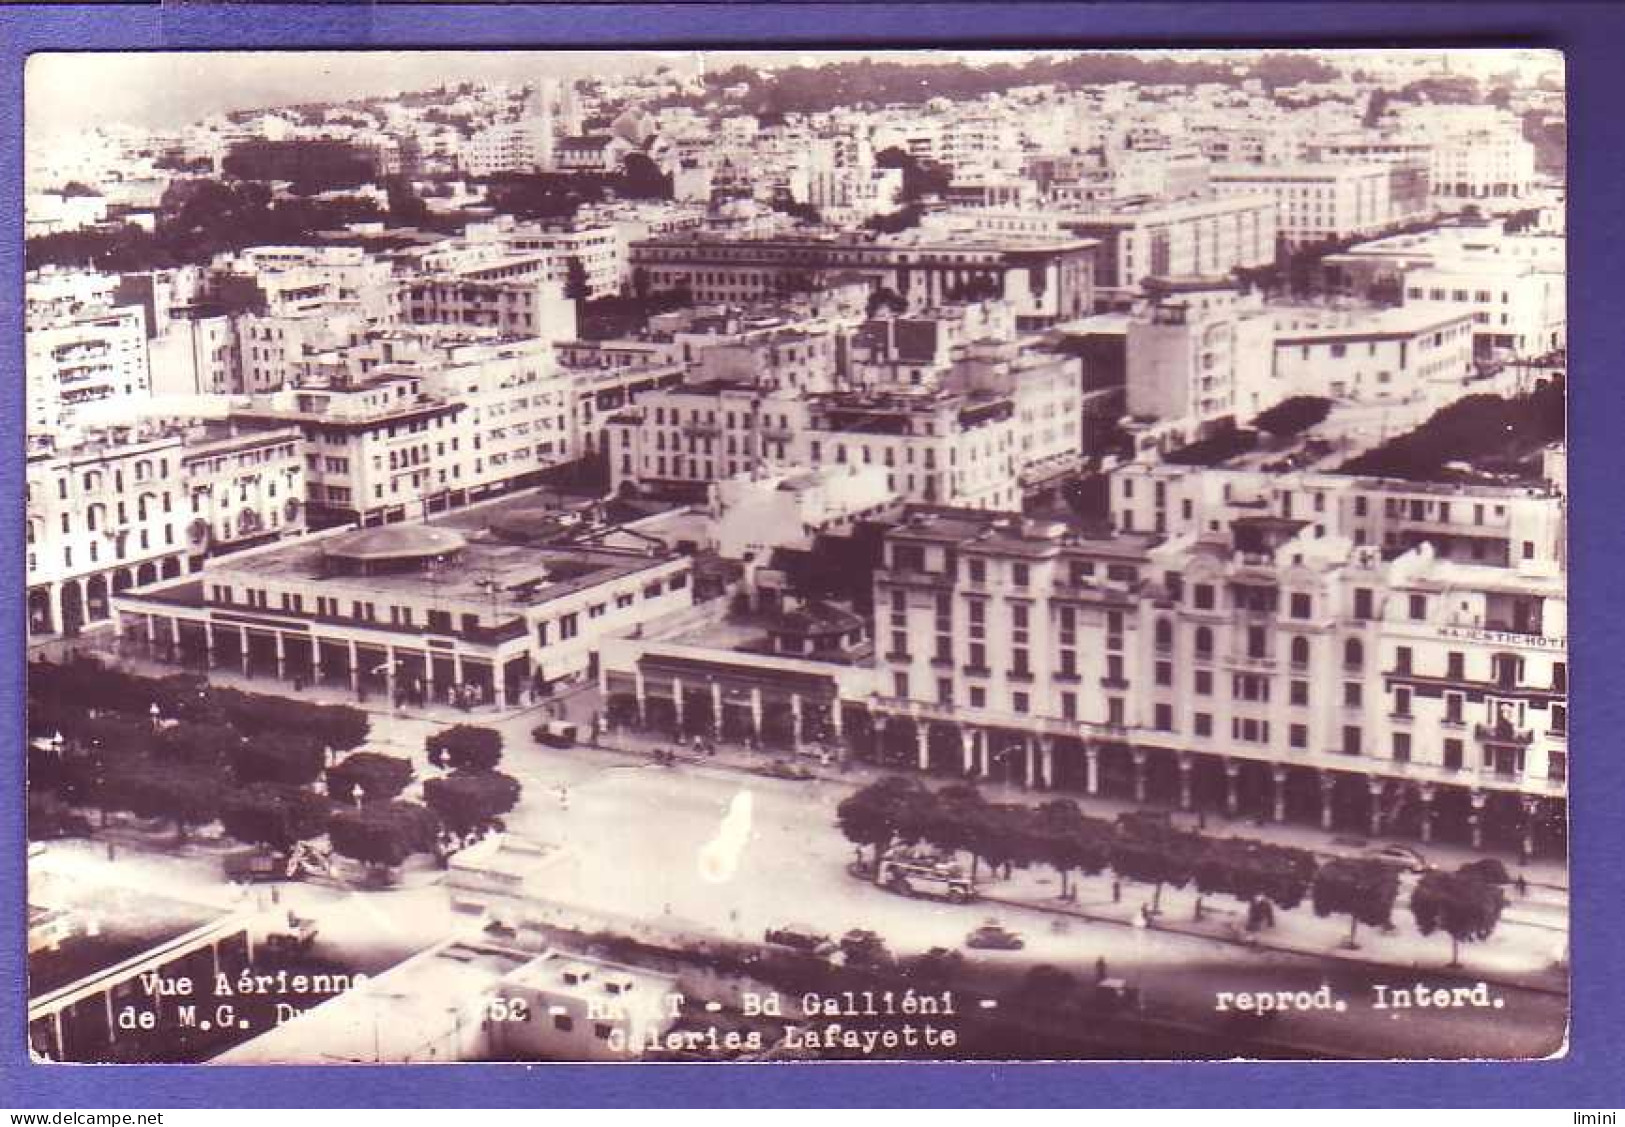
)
(514, 573)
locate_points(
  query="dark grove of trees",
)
(197, 220)
(1489, 431)
(310, 166)
(1293, 416)
(819, 89)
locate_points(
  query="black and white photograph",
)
(809, 555)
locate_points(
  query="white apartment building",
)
(1363, 356)
(1490, 526)
(1315, 202)
(82, 358)
(242, 487)
(1190, 354)
(1517, 310)
(1249, 670)
(103, 513)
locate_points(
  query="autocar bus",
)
(942, 880)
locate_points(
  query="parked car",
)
(293, 939)
(1400, 856)
(556, 733)
(864, 948)
(255, 865)
(994, 936)
(800, 937)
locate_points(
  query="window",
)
(900, 685)
(1255, 641)
(569, 625)
(1456, 663)
(1069, 706)
(1557, 766)
(1402, 747)
(1204, 682)
(978, 570)
(1204, 642)
(1019, 703)
(1165, 673)
(1452, 755)
(1204, 723)
(1018, 574)
(1452, 708)
(1402, 659)
(1351, 694)
(1165, 635)
(1353, 654)
(1204, 596)
(1418, 607)
(1351, 741)
(1560, 720)
(1560, 677)
(1402, 702)
(564, 1023)
(1301, 605)
(1363, 604)
(978, 697)
(1165, 718)
(1300, 693)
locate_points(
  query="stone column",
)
(1278, 796)
(1185, 766)
(967, 749)
(795, 720)
(242, 650)
(457, 679)
(984, 749)
(281, 656)
(1091, 755)
(677, 703)
(756, 713)
(1231, 770)
(53, 596)
(1426, 795)
(1029, 754)
(637, 690)
(1327, 783)
(1476, 819)
(355, 670)
(922, 740)
(835, 721)
(1046, 762)
(1139, 774)
(1374, 787)
(716, 710)
(208, 644)
(389, 676)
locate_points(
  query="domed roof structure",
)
(394, 544)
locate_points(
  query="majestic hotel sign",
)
(1503, 638)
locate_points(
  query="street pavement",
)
(737, 853)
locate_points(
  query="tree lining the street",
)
(471, 802)
(1362, 888)
(1461, 905)
(465, 747)
(382, 835)
(380, 777)
(275, 815)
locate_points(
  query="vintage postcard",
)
(750, 555)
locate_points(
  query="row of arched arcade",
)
(67, 606)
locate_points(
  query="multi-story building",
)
(1247, 669)
(1187, 238)
(104, 513)
(414, 423)
(1045, 279)
(1370, 354)
(1517, 310)
(406, 611)
(1485, 525)
(242, 487)
(83, 358)
(1315, 202)
(532, 307)
(1191, 352)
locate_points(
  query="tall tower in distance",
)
(538, 123)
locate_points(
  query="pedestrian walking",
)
(1523, 886)
(1117, 891)
(1100, 969)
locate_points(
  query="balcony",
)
(1110, 682)
(1505, 734)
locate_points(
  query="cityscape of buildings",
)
(1191, 443)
